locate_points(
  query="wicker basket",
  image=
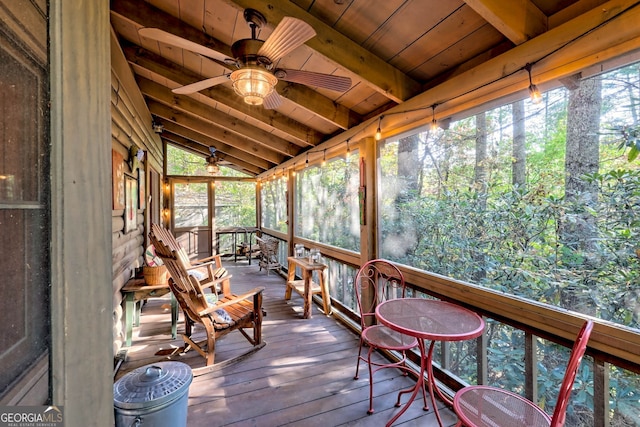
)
(155, 275)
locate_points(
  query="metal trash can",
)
(153, 395)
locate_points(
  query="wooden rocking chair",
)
(218, 311)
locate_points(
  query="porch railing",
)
(612, 348)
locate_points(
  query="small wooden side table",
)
(307, 287)
(136, 290)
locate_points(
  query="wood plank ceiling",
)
(393, 51)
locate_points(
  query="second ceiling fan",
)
(255, 77)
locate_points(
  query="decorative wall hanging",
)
(131, 204)
(142, 200)
(117, 165)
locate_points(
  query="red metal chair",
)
(490, 406)
(376, 281)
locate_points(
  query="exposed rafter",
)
(205, 127)
(219, 119)
(199, 149)
(468, 53)
(376, 73)
(584, 40)
(207, 141)
(164, 68)
(520, 21)
(141, 14)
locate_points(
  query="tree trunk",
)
(582, 157)
(583, 149)
(519, 166)
(409, 168)
(578, 231)
(481, 157)
(481, 188)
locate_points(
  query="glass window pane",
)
(235, 204)
(181, 162)
(327, 204)
(274, 204)
(625, 404)
(532, 200)
(25, 221)
(191, 208)
(185, 163)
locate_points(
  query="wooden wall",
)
(81, 295)
(130, 126)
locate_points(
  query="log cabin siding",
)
(130, 125)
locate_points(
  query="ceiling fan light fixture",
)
(213, 169)
(212, 163)
(253, 84)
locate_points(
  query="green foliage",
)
(181, 162)
(235, 201)
(184, 163)
(327, 207)
(235, 204)
(274, 204)
(459, 237)
(629, 138)
(522, 240)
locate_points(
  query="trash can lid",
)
(152, 385)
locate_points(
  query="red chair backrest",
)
(376, 281)
(579, 347)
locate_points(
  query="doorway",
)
(191, 215)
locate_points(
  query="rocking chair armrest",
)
(236, 298)
(206, 260)
(208, 283)
(211, 267)
(198, 264)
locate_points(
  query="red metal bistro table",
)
(431, 320)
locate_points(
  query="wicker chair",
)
(268, 258)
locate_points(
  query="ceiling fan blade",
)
(272, 101)
(287, 36)
(198, 86)
(173, 40)
(309, 78)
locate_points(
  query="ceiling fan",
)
(255, 77)
(213, 162)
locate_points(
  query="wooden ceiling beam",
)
(207, 141)
(518, 20)
(197, 148)
(303, 135)
(162, 94)
(319, 105)
(558, 53)
(142, 14)
(338, 48)
(205, 128)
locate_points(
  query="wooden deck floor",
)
(303, 376)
